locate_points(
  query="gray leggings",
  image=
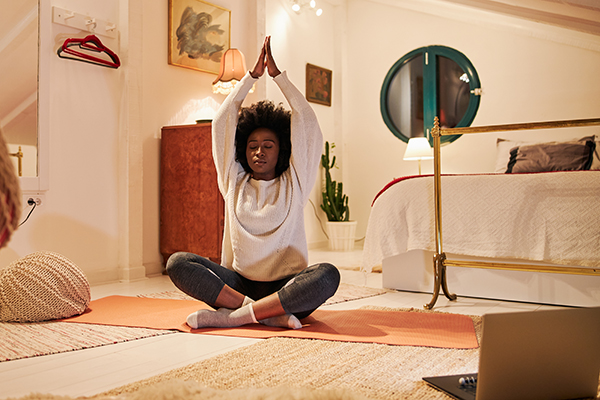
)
(299, 295)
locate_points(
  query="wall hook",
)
(84, 22)
(91, 24)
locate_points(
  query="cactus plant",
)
(335, 202)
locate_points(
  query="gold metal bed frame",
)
(440, 262)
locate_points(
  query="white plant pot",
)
(341, 235)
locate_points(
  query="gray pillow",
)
(552, 156)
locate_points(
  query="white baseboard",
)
(155, 268)
(99, 277)
(132, 274)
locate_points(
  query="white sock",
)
(281, 321)
(223, 318)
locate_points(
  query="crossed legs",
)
(278, 303)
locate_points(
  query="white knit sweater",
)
(264, 238)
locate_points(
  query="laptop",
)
(553, 354)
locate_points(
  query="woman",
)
(267, 160)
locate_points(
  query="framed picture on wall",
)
(199, 34)
(318, 85)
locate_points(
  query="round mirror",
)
(425, 83)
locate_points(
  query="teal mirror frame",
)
(430, 88)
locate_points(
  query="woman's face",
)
(262, 153)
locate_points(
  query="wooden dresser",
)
(191, 206)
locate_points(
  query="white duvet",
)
(551, 217)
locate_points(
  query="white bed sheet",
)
(551, 217)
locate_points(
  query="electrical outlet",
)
(36, 197)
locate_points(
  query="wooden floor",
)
(91, 371)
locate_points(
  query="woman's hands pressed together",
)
(265, 60)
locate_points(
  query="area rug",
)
(362, 325)
(345, 292)
(375, 371)
(190, 390)
(19, 340)
(25, 340)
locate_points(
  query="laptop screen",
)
(551, 354)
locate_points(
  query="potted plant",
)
(340, 229)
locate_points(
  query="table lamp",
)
(418, 149)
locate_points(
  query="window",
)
(427, 82)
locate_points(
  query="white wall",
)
(528, 73)
(78, 215)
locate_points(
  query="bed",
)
(530, 235)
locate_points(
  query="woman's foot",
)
(280, 321)
(226, 318)
(283, 321)
(223, 318)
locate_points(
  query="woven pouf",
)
(42, 286)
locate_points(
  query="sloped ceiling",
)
(18, 37)
(579, 15)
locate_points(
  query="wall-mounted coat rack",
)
(84, 22)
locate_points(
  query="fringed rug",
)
(375, 371)
(190, 390)
(345, 292)
(25, 340)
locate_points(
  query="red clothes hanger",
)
(89, 43)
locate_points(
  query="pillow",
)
(504, 146)
(552, 156)
(40, 287)
(596, 158)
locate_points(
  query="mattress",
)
(552, 217)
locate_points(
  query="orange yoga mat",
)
(366, 326)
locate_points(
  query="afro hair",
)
(264, 114)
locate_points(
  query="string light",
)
(299, 5)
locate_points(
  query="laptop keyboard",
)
(468, 384)
(471, 389)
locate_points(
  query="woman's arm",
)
(307, 139)
(306, 136)
(225, 123)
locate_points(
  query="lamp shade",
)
(233, 69)
(418, 149)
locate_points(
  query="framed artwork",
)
(318, 85)
(199, 34)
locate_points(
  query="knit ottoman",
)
(42, 286)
